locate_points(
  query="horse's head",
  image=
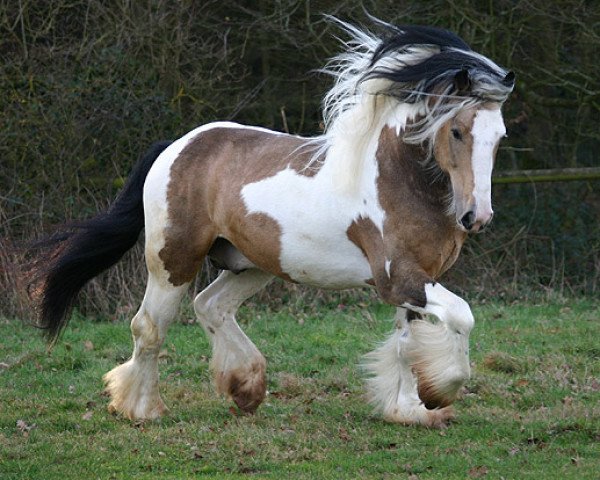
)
(465, 149)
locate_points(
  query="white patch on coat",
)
(353, 137)
(446, 306)
(488, 128)
(315, 248)
(314, 213)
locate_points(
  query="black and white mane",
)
(430, 70)
(442, 55)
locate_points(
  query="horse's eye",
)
(456, 134)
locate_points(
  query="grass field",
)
(531, 409)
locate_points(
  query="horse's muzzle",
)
(472, 223)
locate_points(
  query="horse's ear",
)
(462, 81)
(509, 79)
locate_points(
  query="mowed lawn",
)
(531, 409)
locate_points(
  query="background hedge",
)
(86, 86)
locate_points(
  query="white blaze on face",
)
(488, 128)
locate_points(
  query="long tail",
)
(83, 250)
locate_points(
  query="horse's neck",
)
(415, 201)
(403, 175)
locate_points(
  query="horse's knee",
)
(448, 307)
(460, 316)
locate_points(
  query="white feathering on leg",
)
(393, 386)
(440, 358)
(384, 365)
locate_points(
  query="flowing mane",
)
(406, 75)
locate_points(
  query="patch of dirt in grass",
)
(504, 363)
(484, 386)
(291, 386)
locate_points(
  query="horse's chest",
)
(313, 228)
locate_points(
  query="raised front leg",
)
(393, 385)
(439, 351)
(436, 347)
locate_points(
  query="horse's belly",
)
(323, 259)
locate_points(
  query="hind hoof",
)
(245, 386)
(134, 394)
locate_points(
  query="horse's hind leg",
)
(238, 366)
(133, 386)
(393, 387)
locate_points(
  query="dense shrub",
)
(85, 86)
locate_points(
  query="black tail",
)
(83, 250)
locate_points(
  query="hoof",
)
(439, 390)
(245, 386)
(438, 418)
(439, 359)
(134, 393)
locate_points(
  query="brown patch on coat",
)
(414, 199)
(365, 234)
(204, 199)
(367, 237)
(246, 388)
(190, 233)
(451, 153)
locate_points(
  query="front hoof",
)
(419, 415)
(438, 390)
(440, 417)
(439, 359)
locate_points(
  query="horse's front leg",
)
(439, 350)
(418, 371)
(393, 385)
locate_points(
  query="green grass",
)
(531, 409)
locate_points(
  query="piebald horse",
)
(385, 197)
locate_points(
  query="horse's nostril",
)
(468, 220)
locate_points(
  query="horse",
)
(385, 197)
